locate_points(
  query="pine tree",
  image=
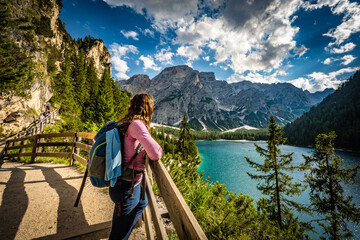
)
(105, 99)
(277, 183)
(121, 101)
(64, 89)
(92, 88)
(325, 177)
(184, 138)
(79, 76)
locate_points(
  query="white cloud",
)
(190, 52)
(318, 81)
(164, 56)
(118, 52)
(122, 50)
(120, 66)
(254, 77)
(347, 59)
(345, 48)
(148, 32)
(207, 58)
(131, 34)
(257, 41)
(149, 63)
(164, 13)
(350, 22)
(328, 61)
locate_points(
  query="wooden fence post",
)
(77, 150)
(34, 150)
(6, 146)
(22, 150)
(74, 149)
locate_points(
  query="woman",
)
(126, 194)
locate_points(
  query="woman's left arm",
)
(138, 130)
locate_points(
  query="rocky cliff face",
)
(43, 38)
(214, 104)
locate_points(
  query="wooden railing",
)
(38, 126)
(183, 219)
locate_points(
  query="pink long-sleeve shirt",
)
(135, 134)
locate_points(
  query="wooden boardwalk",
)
(37, 202)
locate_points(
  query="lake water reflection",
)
(224, 161)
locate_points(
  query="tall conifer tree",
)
(105, 97)
(184, 137)
(277, 183)
(92, 87)
(64, 87)
(325, 177)
(79, 76)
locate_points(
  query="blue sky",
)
(311, 44)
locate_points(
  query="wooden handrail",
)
(38, 125)
(183, 219)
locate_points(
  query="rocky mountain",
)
(218, 105)
(32, 30)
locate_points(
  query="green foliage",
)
(53, 55)
(15, 66)
(252, 135)
(338, 112)
(325, 176)
(275, 182)
(185, 144)
(87, 102)
(43, 26)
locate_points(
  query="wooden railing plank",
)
(21, 146)
(56, 144)
(183, 219)
(52, 135)
(57, 154)
(83, 146)
(21, 139)
(86, 135)
(80, 159)
(148, 225)
(158, 224)
(13, 155)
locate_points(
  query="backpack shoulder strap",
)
(139, 148)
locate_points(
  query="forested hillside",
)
(85, 100)
(339, 112)
(41, 63)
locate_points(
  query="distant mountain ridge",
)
(218, 105)
(339, 112)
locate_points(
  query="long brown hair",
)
(141, 108)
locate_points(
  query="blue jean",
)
(128, 209)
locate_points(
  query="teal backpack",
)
(106, 152)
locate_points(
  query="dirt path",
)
(37, 202)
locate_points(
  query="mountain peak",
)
(214, 104)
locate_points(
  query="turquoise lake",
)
(224, 161)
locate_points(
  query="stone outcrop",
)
(101, 57)
(215, 104)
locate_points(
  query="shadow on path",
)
(71, 221)
(69, 218)
(12, 212)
